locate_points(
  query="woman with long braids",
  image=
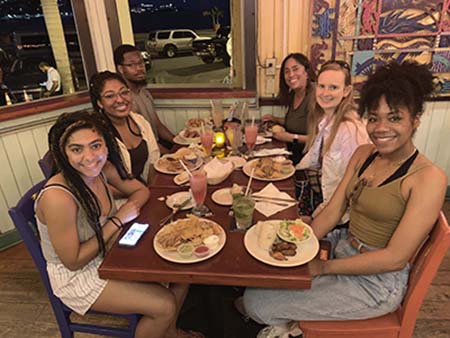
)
(111, 97)
(78, 221)
(394, 194)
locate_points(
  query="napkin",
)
(268, 209)
(217, 171)
(271, 152)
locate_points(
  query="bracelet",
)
(116, 221)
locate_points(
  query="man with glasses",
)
(131, 66)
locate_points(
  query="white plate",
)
(173, 256)
(306, 250)
(260, 140)
(180, 139)
(237, 161)
(222, 196)
(163, 170)
(180, 197)
(247, 169)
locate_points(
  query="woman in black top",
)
(296, 90)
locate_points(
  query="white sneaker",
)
(280, 331)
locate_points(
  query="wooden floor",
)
(26, 313)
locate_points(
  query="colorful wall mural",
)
(366, 33)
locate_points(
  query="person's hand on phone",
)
(128, 211)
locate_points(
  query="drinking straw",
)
(203, 127)
(186, 168)
(253, 120)
(249, 182)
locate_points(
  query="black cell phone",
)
(133, 234)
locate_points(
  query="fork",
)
(176, 207)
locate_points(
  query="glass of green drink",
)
(243, 207)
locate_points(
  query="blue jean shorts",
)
(331, 297)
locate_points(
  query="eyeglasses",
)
(134, 64)
(341, 63)
(124, 93)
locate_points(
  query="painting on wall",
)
(367, 33)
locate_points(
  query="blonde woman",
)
(335, 130)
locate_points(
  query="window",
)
(25, 41)
(181, 38)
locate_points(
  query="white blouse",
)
(350, 134)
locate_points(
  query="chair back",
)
(24, 219)
(424, 267)
(46, 164)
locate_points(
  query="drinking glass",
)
(198, 188)
(243, 208)
(234, 137)
(207, 139)
(251, 133)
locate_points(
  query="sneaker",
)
(280, 331)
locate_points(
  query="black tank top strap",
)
(402, 170)
(367, 162)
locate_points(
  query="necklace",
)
(367, 181)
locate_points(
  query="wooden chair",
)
(25, 222)
(46, 164)
(401, 323)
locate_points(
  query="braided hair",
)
(59, 134)
(402, 85)
(96, 85)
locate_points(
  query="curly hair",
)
(96, 86)
(402, 85)
(64, 127)
(285, 94)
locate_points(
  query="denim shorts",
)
(331, 297)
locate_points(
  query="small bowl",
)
(201, 251)
(185, 250)
(212, 242)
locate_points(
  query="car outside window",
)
(178, 35)
(163, 35)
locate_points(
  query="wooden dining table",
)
(233, 265)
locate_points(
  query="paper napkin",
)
(268, 209)
(271, 152)
(217, 171)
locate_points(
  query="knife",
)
(176, 207)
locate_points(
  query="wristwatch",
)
(295, 140)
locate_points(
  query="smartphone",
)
(133, 234)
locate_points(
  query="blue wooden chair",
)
(25, 222)
(46, 164)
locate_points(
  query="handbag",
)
(308, 190)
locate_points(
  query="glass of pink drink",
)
(207, 139)
(251, 132)
(198, 188)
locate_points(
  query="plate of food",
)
(170, 163)
(264, 244)
(188, 136)
(238, 161)
(294, 231)
(270, 168)
(189, 240)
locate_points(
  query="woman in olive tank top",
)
(394, 194)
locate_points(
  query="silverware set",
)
(176, 208)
